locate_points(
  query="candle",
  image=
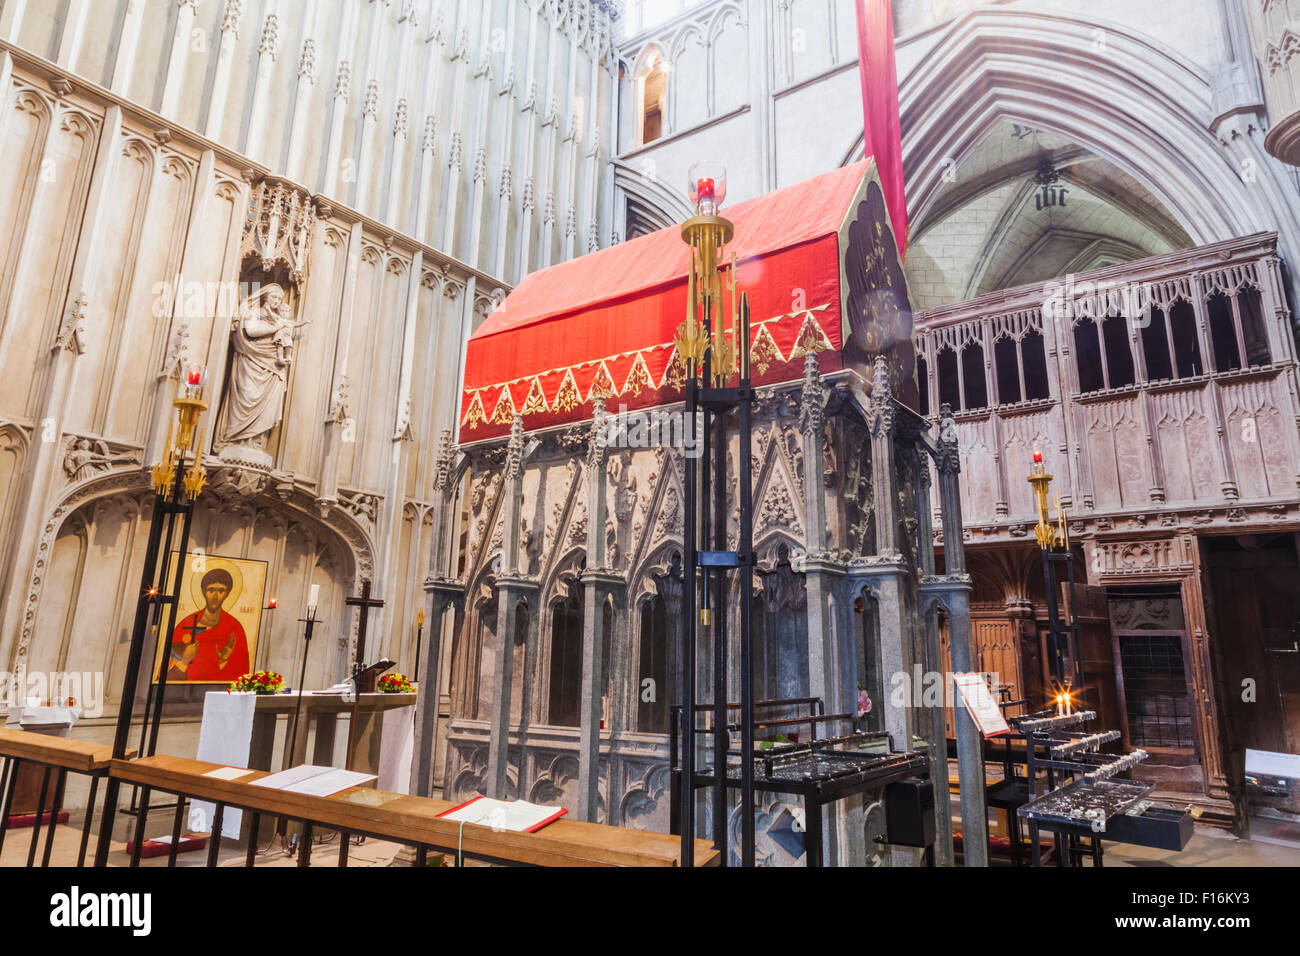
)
(314, 596)
(706, 185)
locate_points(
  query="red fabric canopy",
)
(603, 324)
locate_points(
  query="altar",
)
(375, 728)
(257, 732)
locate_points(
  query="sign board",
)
(1266, 763)
(979, 702)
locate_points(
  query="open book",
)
(516, 815)
(314, 781)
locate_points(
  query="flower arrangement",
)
(864, 702)
(395, 684)
(258, 682)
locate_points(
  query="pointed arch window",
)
(1087, 355)
(653, 87)
(975, 389)
(949, 383)
(657, 675)
(1006, 364)
(1033, 356)
(565, 692)
(479, 694)
(780, 632)
(923, 383)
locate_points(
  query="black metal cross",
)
(194, 629)
(365, 602)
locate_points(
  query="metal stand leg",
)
(4, 777)
(143, 814)
(54, 815)
(1013, 829)
(8, 800)
(813, 831)
(90, 817)
(345, 839)
(422, 856)
(214, 840)
(252, 840)
(304, 845)
(177, 822)
(40, 812)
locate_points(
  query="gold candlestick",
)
(1041, 480)
(181, 435)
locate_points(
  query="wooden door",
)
(1101, 690)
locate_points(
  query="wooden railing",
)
(58, 757)
(358, 811)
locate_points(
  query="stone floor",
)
(1270, 844)
(67, 844)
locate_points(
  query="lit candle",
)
(706, 185)
(313, 597)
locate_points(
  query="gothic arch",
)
(649, 52)
(648, 59)
(564, 571)
(650, 201)
(767, 548)
(352, 540)
(1050, 76)
(466, 646)
(718, 20)
(655, 564)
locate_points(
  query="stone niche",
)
(265, 326)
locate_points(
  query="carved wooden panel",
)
(1116, 446)
(1187, 446)
(1260, 448)
(997, 651)
(1021, 435)
(978, 471)
(1160, 556)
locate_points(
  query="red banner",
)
(881, 134)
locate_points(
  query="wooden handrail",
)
(415, 820)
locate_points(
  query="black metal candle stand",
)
(158, 590)
(708, 571)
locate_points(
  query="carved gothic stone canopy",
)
(278, 227)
